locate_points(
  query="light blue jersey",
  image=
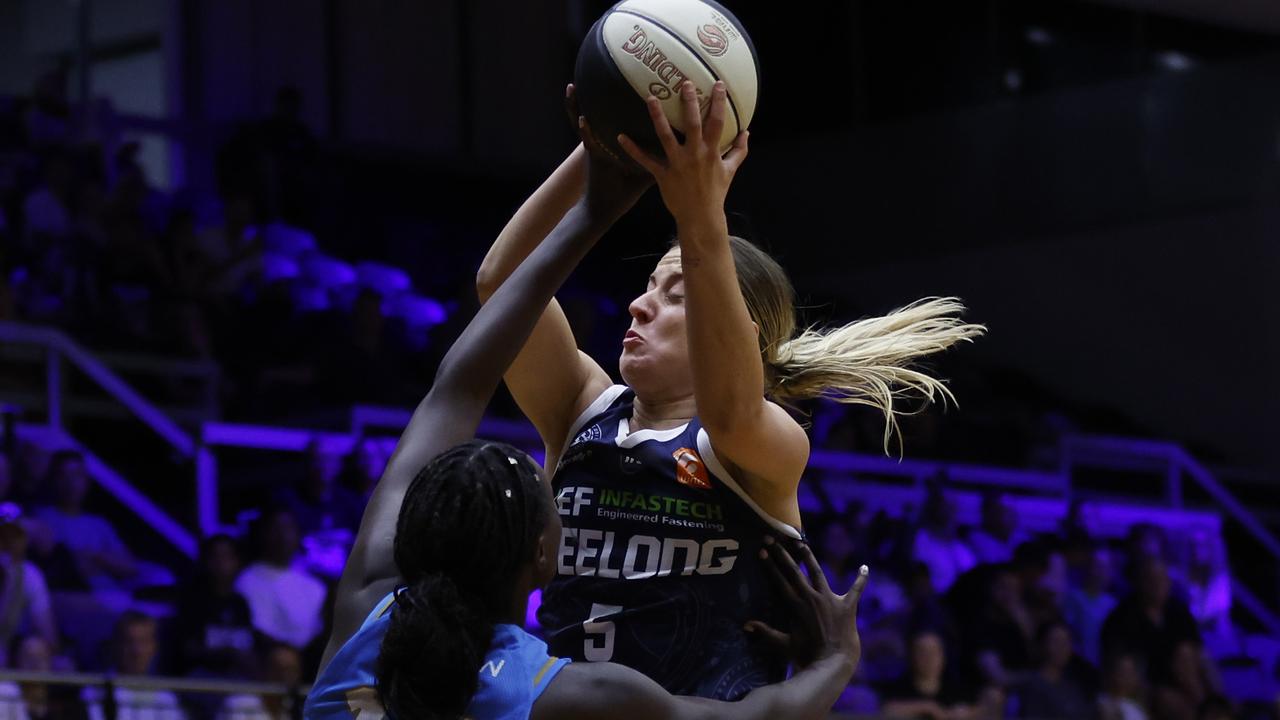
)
(516, 671)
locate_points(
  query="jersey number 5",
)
(598, 645)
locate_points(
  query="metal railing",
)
(60, 349)
(122, 697)
(116, 484)
(1176, 465)
(203, 406)
(112, 697)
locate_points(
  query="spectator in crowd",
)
(890, 539)
(886, 622)
(188, 271)
(30, 467)
(150, 203)
(290, 153)
(31, 653)
(25, 605)
(883, 616)
(937, 543)
(328, 512)
(1086, 607)
(1208, 583)
(997, 537)
(281, 665)
(134, 256)
(926, 691)
(365, 361)
(1146, 540)
(891, 600)
(1123, 690)
(1002, 633)
(214, 627)
(1185, 687)
(836, 552)
(1150, 622)
(1056, 689)
(81, 273)
(48, 208)
(183, 289)
(924, 606)
(1042, 579)
(319, 502)
(271, 160)
(103, 559)
(233, 249)
(1077, 543)
(284, 602)
(135, 646)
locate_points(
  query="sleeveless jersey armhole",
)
(597, 406)
(543, 677)
(382, 608)
(722, 474)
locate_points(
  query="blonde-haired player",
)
(665, 484)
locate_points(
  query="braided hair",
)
(469, 522)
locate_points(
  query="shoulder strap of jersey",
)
(382, 608)
(597, 406)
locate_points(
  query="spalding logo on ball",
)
(713, 40)
(649, 47)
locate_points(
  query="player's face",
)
(655, 351)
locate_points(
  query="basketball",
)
(650, 47)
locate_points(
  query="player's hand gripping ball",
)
(650, 47)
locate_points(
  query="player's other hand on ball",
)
(613, 183)
(693, 178)
(822, 623)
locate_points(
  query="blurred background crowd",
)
(284, 242)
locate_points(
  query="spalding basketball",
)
(650, 47)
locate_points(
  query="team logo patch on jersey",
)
(690, 470)
(588, 435)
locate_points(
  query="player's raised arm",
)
(550, 379)
(823, 643)
(751, 432)
(464, 384)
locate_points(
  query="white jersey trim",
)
(628, 439)
(717, 469)
(597, 406)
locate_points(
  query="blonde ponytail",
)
(868, 362)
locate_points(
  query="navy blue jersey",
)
(659, 564)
